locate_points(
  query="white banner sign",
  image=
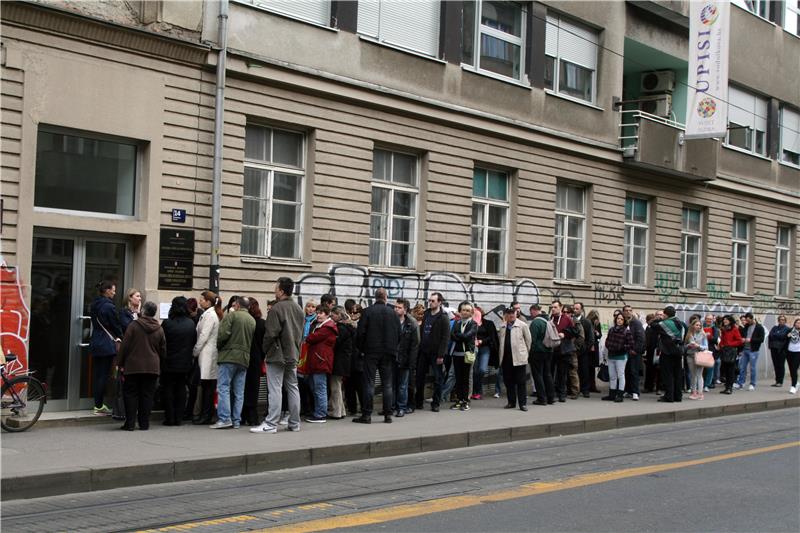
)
(709, 32)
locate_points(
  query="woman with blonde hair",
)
(695, 341)
(131, 307)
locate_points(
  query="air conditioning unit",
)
(662, 81)
(656, 104)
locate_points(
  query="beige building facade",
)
(480, 156)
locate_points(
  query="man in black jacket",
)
(378, 337)
(633, 368)
(753, 335)
(434, 335)
(585, 363)
(406, 356)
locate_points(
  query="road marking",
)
(452, 503)
(216, 522)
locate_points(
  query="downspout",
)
(219, 103)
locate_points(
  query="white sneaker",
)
(792, 390)
(751, 388)
(221, 425)
(264, 428)
(496, 394)
(705, 389)
(635, 397)
(737, 386)
(284, 421)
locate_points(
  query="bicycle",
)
(23, 397)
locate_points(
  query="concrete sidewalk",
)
(76, 458)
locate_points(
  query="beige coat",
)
(205, 349)
(520, 342)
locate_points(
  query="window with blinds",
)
(790, 136)
(747, 121)
(314, 11)
(571, 58)
(413, 26)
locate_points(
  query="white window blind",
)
(571, 42)
(747, 109)
(410, 25)
(316, 11)
(790, 126)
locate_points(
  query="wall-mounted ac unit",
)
(662, 81)
(657, 104)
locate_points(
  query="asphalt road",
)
(737, 473)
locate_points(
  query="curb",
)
(92, 479)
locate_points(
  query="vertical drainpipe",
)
(219, 124)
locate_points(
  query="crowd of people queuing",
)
(321, 361)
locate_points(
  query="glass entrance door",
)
(65, 271)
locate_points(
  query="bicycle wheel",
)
(23, 399)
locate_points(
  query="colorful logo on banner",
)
(709, 14)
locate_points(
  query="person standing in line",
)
(753, 334)
(282, 338)
(793, 354)
(670, 348)
(633, 367)
(131, 307)
(712, 340)
(597, 333)
(585, 363)
(205, 350)
(252, 379)
(354, 385)
(181, 336)
(778, 341)
(573, 381)
(485, 342)
(619, 345)
(564, 354)
(695, 341)
(541, 358)
(321, 341)
(463, 335)
(378, 336)
(730, 342)
(233, 344)
(342, 361)
(407, 350)
(106, 336)
(139, 360)
(515, 345)
(434, 336)
(303, 381)
(652, 376)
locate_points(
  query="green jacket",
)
(235, 337)
(538, 331)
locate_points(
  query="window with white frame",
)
(410, 25)
(790, 136)
(782, 252)
(756, 7)
(490, 213)
(494, 37)
(791, 17)
(747, 121)
(691, 241)
(314, 11)
(570, 58)
(739, 254)
(272, 201)
(569, 231)
(636, 230)
(392, 231)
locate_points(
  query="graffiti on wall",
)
(360, 283)
(608, 293)
(14, 316)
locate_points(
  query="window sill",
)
(83, 214)
(572, 283)
(693, 292)
(480, 276)
(277, 262)
(380, 269)
(492, 75)
(423, 55)
(790, 165)
(639, 288)
(740, 295)
(573, 99)
(787, 299)
(745, 152)
(260, 7)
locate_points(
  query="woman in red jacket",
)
(321, 341)
(729, 344)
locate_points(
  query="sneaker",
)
(293, 428)
(264, 428)
(705, 389)
(700, 396)
(102, 410)
(284, 421)
(718, 382)
(316, 420)
(792, 390)
(465, 407)
(693, 396)
(496, 394)
(475, 397)
(635, 397)
(219, 424)
(627, 395)
(456, 406)
(235, 426)
(751, 388)
(737, 386)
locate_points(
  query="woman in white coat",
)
(205, 349)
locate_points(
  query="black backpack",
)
(668, 344)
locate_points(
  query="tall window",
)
(790, 136)
(273, 193)
(757, 7)
(691, 240)
(782, 253)
(747, 121)
(494, 41)
(636, 228)
(791, 17)
(78, 172)
(314, 11)
(394, 209)
(739, 250)
(571, 58)
(569, 232)
(489, 221)
(410, 25)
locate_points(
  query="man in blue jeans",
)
(753, 335)
(406, 356)
(233, 342)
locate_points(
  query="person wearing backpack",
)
(541, 357)
(620, 345)
(670, 348)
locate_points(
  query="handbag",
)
(704, 359)
(729, 354)
(469, 357)
(602, 373)
(117, 342)
(302, 363)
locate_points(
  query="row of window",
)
(789, 12)
(747, 126)
(272, 218)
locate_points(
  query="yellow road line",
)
(215, 522)
(452, 503)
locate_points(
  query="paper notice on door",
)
(163, 310)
